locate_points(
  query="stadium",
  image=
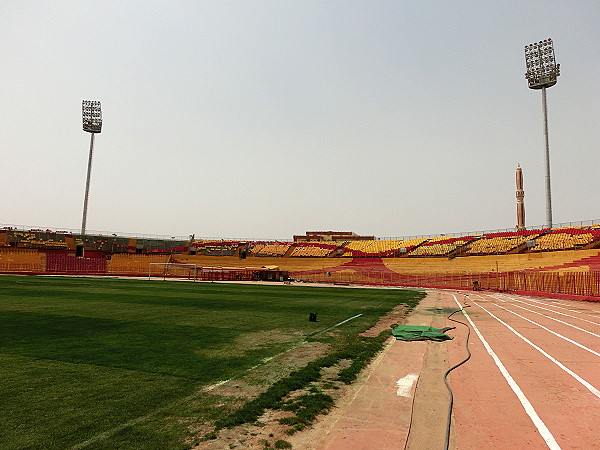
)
(557, 262)
(99, 343)
(317, 246)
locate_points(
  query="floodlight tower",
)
(542, 72)
(92, 123)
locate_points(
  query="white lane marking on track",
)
(549, 317)
(539, 424)
(589, 386)
(405, 384)
(550, 331)
(555, 312)
(561, 307)
(568, 304)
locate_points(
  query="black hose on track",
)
(449, 419)
(412, 409)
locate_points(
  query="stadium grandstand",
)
(500, 243)
(441, 246)
(534, 260)
(566, 238)
(212, 248)
(269, 249)
(337, 236)
(315, 249)
(381, 248)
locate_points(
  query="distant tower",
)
(91, 112)
(520, 202)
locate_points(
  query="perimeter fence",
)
(578, 283)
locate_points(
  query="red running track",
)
(533, 380)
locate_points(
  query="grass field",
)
(83, 356)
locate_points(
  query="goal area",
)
(173, 270)
(194, 272)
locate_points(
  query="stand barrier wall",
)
(579, 283)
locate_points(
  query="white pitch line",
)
(588, 385)
(537, 421)
(549, 317)
(336, 325)
(550, 331)
(109, 433)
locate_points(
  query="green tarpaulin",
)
(420, 333)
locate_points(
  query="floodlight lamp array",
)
(92, 116)
(542, 69)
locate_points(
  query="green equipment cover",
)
(420, 333)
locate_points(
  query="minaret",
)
(520, 202)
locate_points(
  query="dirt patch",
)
(249, 386)
(268, 430)
(255, 381)
(396, 316)
(264, 435)
(254, 341)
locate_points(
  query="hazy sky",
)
(264, 119)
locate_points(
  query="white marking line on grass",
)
(548, 317)
(551, 331)
(566, 309)
(109, 433)
(405, 384)
(336, 325)
(589, 386)
(539, 424)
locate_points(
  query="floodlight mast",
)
(92, 123)
(542, 72)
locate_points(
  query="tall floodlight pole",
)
(542, 72)
(92, 123)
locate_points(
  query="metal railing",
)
(184, 238)
(77, 232)
(581, 223)
(573, 282)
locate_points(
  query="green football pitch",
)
(116, 363)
